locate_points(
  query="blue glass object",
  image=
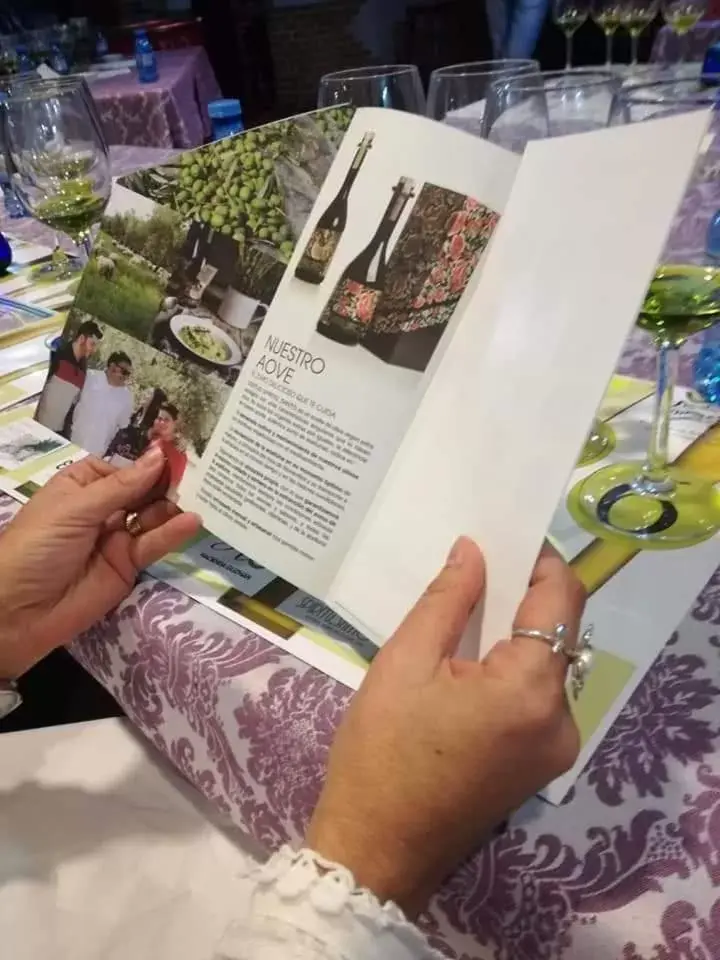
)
(226, 117)
(145, 58)
(24, 60)
(707, 367)
(58, 60)
(711, 66)
(101, 45)
(5, 254)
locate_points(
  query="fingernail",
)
(151, 459)
(458, 554)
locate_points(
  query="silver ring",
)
(579, 656)
(133, 525)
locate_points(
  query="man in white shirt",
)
(105, 405)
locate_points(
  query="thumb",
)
(434, 626)
(122, 490)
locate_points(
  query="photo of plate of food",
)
(202, 338)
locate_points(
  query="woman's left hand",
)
(67, 559)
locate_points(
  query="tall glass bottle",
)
(351, 308)
(321, 246)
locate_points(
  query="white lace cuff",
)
(305, 907)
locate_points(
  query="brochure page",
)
(500, 426)
(370, 299)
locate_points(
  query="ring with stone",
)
(579, 656)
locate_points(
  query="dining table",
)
(170, 112)
(627, 868)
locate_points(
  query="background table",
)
(169, 113)
(669, 48)
(627, 869)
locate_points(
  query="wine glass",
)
(59, 158)
(607, 15)
(636, 16)
(548, 104)
(652, 503)
(396, 85)
(569, 15)
(457, 94)
(681, 16)
(536, 106)
(61, 266)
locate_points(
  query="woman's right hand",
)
(434, 751)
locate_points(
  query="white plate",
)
(182, 320)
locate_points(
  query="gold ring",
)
(133, 525)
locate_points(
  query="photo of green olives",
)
(258, 186)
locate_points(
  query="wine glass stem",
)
(608, 49)
(634, 39)
(568, 51)
(655, 477)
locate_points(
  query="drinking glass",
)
(396, 85)
(636, 16)
(607, 15)
(652, 503)
(59, 158)
(457, 94)
(681, 16)
(569, 15)
(8, 54)
(61, 266)
(548, 104)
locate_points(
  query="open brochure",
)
(355, 344)
(636, 598)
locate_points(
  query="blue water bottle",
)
(58, 60)
(24, 60)
(711, 66)
(145, 58)
(226, 117)
(707, 362)
(101, 45)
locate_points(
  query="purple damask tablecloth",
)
(627, 869)
(169, 113)
(668, 47)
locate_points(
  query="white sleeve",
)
(305, 908)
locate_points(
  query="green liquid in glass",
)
(681, 301)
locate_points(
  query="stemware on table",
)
(457, 94)
(636, 16)
(396, 85)
(652, 503)
(61, 265)
(681, 16)
(536, 106)
(58, 156)
(607, 15)
(570, 15)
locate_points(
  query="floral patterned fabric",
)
(433, 260)
(627, 869)
(169, 113)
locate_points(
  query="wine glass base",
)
(600, 442)
(611, 504)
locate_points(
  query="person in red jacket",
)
(165, 433)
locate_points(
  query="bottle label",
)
(356, 302)
(146, 61)
(319, 252)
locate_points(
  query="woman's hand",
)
(435, 751)
(67, 559)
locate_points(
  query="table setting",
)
(626, 865)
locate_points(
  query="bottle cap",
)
(224, 109)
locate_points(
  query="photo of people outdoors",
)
(115, 397)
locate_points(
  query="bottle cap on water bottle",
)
(224, 109)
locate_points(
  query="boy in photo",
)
(105, 405)
(66, 378)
